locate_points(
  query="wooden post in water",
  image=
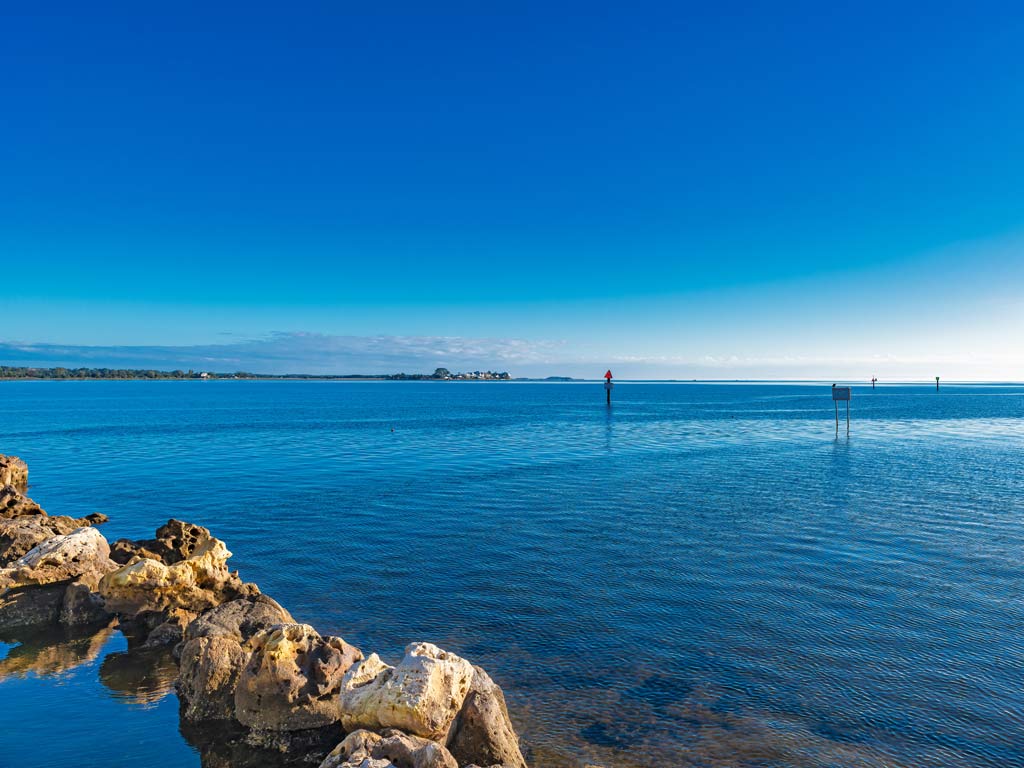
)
(608, 387)
(873, 380)
(936, 383)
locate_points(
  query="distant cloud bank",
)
(318, 353)
(293, 353)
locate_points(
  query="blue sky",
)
(729, 190)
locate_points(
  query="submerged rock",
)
(292, 678)
(421, 695)
(227, 744)
(13, 471)
(482, 732)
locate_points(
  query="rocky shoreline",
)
(247, 671)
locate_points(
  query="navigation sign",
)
(840, 393)
(608, 387)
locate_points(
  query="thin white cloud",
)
(294, 352)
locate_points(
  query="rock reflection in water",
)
(223, 744)
(52, 651)
(139, 676)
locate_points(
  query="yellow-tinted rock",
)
(292, 678)
(420, 696)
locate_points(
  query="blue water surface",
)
(700, 575)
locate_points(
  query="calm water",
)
(701, 576)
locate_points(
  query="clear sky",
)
(721, 190)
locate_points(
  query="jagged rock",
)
(420, 696)
(156, 628)
(13, 471)
(124, 551)
(150, 592)
(82, 606)
(13, 503)
(175, 541)
(292, 678)
(167, 633)
(214, 651)
(61, 558)
(239, 619)
(208, 676)
(406, 751)
(394, 749)
(482, 731)
(18, 535)
(355, 752)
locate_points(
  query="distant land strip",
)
(441, 374)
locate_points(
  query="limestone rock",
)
(82, 606)
(421, 695)
(13, 471)
(405, 751)
(239, 619)
(175, 541)
(208, 676)
(355, 752)
(482, 732)
(18, 535)
(21, 534)
(195, 584)
(292, 678)
(392, 749)
(13, 503)
(61, 558)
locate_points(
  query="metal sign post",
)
(840, 394)
(608, 387)
(936, 383)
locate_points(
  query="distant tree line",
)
(22, 372)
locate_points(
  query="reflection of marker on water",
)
(608, 386)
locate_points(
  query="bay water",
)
(699, 575)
